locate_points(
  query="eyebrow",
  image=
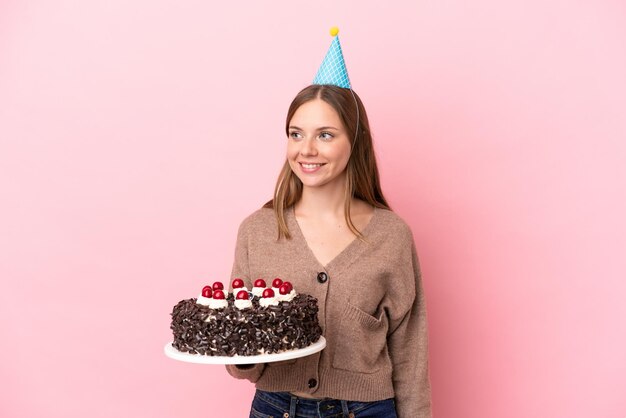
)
(323, 128)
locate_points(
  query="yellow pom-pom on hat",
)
(334, 31)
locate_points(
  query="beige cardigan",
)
(372, 313)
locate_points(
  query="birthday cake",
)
(262, 320)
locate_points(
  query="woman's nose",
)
(309, 147)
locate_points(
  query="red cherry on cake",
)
(268, 293)
(277, 282)
(242, 295)
(237, 283)
(218, 286)
(285, 288)
(207, 291)
(260, 283)
(218, 294)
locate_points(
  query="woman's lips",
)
(310, 167)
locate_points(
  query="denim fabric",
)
(286, 405)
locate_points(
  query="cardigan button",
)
(322, 277)
(312, 383)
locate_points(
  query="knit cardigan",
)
(371, 309)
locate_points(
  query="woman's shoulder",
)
(392, 223)
(260, 219)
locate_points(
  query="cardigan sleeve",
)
(241, 269)
(408, 350)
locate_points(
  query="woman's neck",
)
(325, 201)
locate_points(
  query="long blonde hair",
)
(362, 180)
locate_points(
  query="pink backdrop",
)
(135, 136)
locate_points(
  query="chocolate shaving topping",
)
(230, 331)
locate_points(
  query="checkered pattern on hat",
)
(333, 69)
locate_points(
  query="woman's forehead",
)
(315, 113)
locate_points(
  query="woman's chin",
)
(312, 184)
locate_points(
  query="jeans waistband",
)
(288, 401)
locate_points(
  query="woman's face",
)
(318, 149)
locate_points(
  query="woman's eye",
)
(326, 135)
(295, 135)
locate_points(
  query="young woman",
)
(330, 231)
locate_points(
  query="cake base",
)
(173, 353)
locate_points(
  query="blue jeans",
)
(286, 405)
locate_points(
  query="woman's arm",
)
(408, 349)
(241, 269)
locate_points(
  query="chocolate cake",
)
(261, 321)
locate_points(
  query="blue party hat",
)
(333, 69)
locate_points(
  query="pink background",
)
(136, 135)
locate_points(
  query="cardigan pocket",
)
(361, 342)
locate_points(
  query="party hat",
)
(333, 69)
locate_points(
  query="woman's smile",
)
(310, 168)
